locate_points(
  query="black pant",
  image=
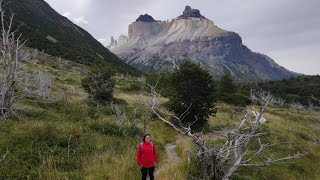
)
(145, 171)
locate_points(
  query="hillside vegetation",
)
(299, 89)
(48, 31)
(69, 138)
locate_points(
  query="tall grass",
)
(68, 138)
(293, 130)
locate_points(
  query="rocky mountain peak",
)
(145, 18)
(189, 12)
(113, 43)
(162, 46)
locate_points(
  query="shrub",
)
(193, 87)
(237, 99)
(100, 85)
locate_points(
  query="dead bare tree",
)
(236, 152)
(225, 161)
(11, 46)
(3, 158)
(315, 106)
(314, 98)
(34, 55)
(262, 97)
(125, 121)
(25, 55)
(145, 122)
(311, 106)
(38, 83)
(28, 55)
(296, 105)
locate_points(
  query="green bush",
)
(93, 111)
(99, 85)
(193, 90)
(132, 86)
(237, 99)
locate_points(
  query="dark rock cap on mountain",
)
(145, 18)
(189, 12)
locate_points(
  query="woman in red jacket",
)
(147, 157)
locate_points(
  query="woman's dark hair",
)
(144, 137)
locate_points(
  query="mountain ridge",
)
(162, 46)
(48, 31)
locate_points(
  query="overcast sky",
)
(286, 30)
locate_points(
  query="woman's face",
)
(147, 139)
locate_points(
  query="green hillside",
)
(48, 31)
(67, 138)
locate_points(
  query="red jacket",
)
(146, 156)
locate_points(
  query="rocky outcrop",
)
(162, 46)
(113, 43)
(122, 40)
(145, 18)
(189, 12)
(146, 30)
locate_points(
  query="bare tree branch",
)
(314, 98)
(3, 158)
(235, 152)
(296, 105)
(270, 160)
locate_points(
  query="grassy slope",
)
(57, 140)
(296, 127)
(39, 21)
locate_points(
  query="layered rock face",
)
(161, 46)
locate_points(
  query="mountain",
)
(160, 46)
(48, 31)
(145, 18)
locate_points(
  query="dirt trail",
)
(172, 155)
